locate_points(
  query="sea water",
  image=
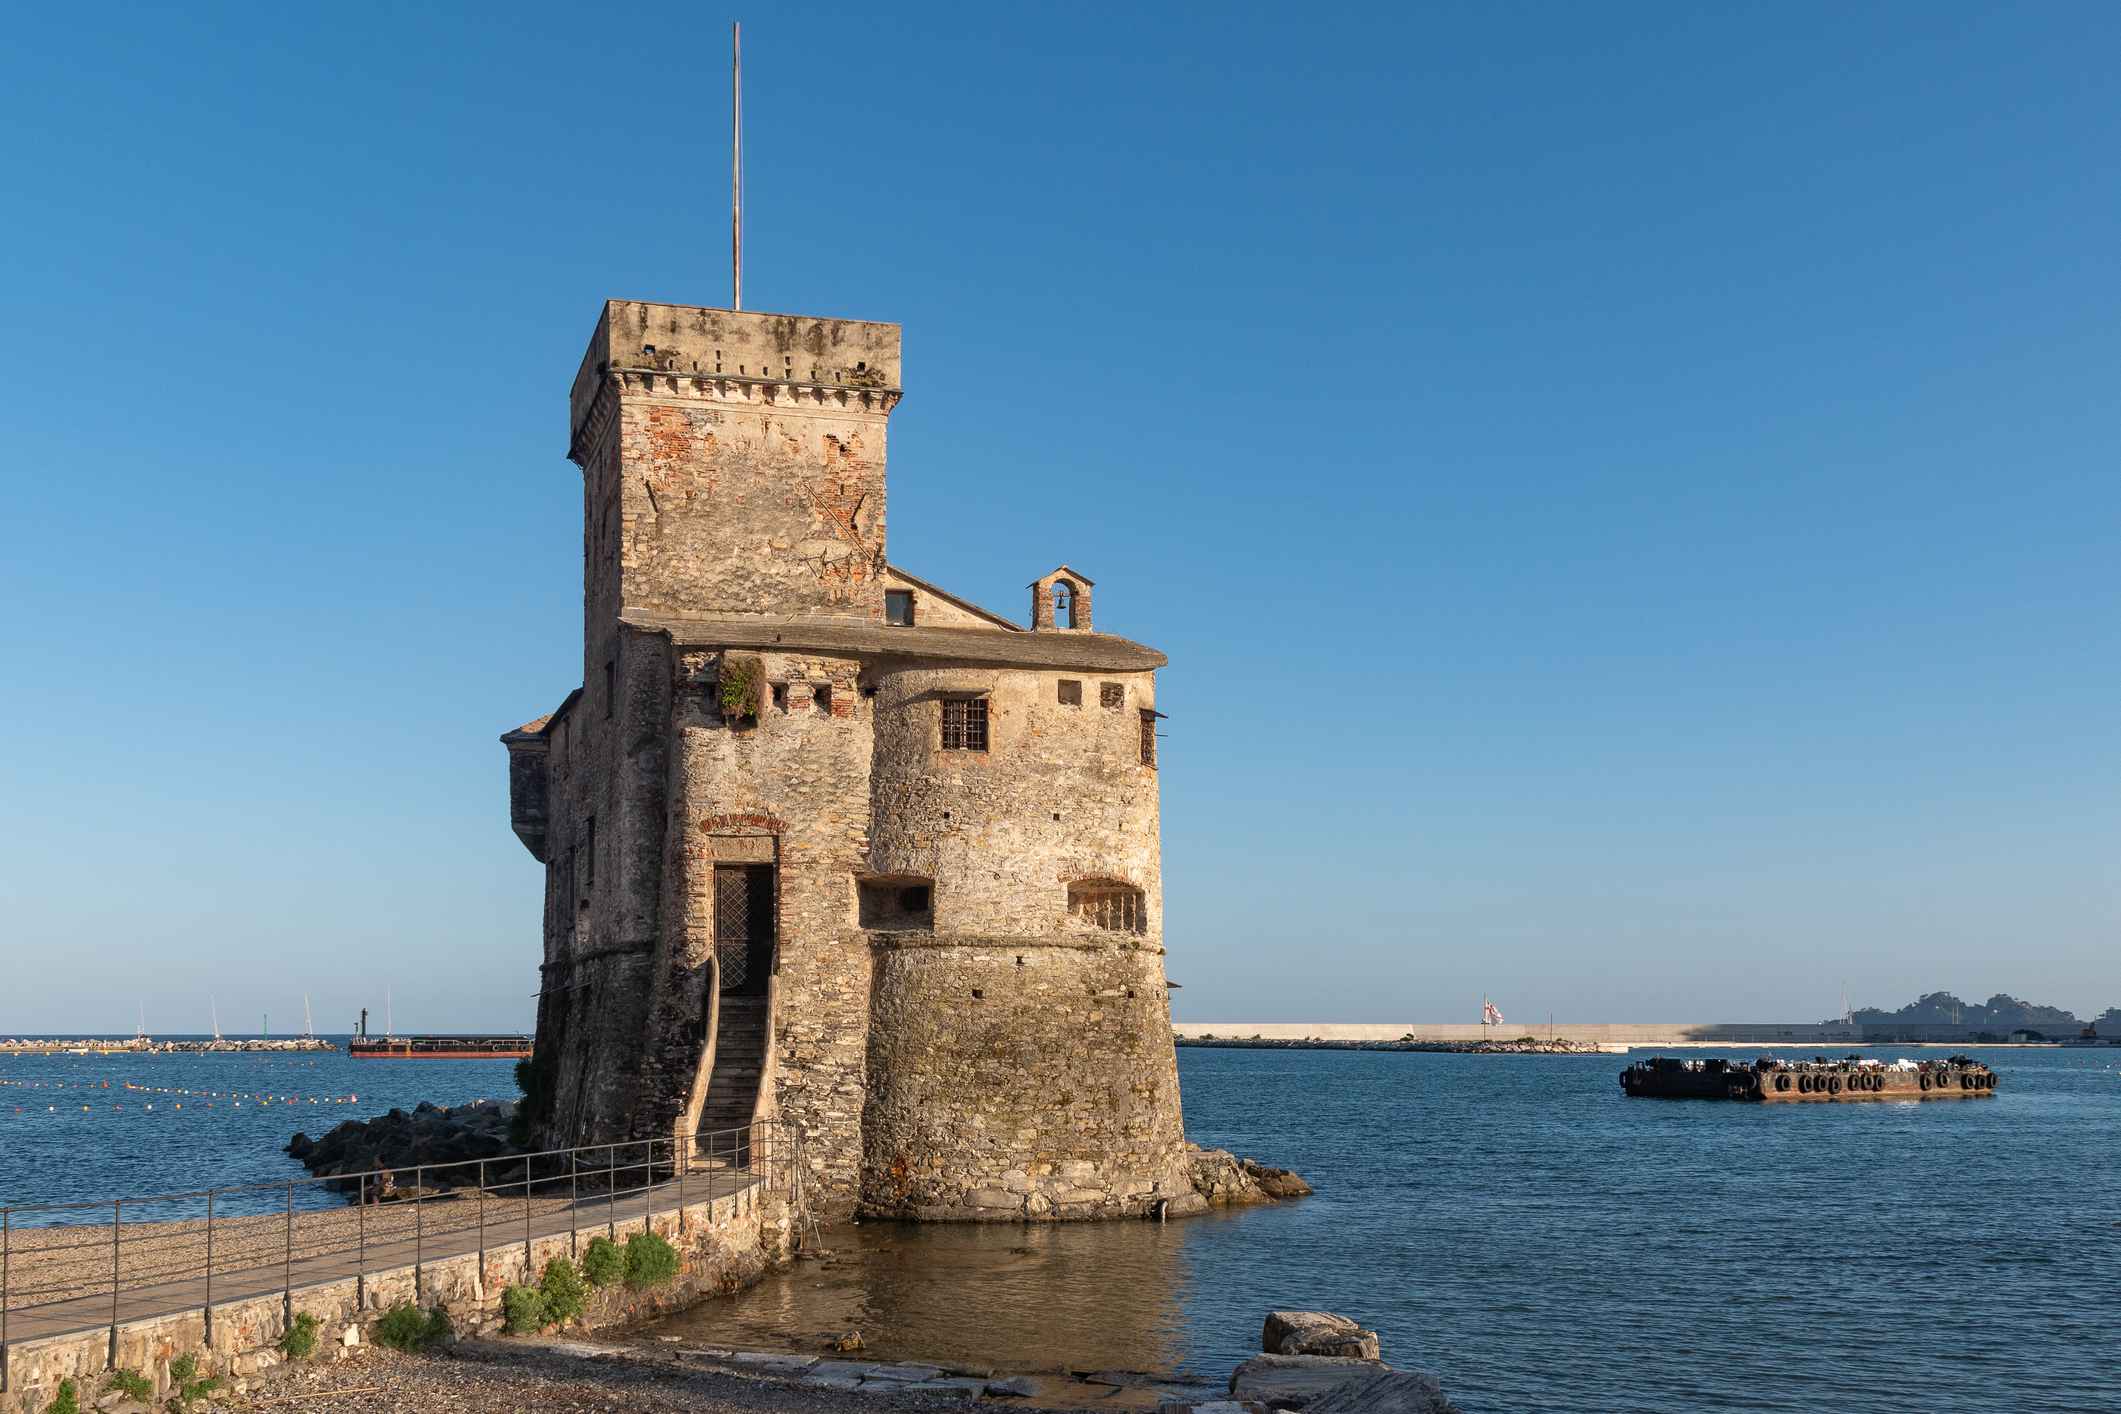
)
(1511, 1223)
(90, 1128)
(1518, 1227)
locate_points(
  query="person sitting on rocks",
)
(386, 1181)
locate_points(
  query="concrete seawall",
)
(724, 1244)
(1613, 1034)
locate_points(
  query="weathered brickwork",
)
(966, 1015)
(1015, 1080)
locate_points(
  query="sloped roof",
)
(1082, 651)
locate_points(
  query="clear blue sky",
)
(1627, 490)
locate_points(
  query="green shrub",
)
(404, 1328)
(538, 1077)
(738, 688)
(524, 1306)
(299, 1342)
(183, 1368)
(182, 1374)
(65, 1400)
(602, 1263)
(650, 1260)
(134, 1386)
(566, 1294)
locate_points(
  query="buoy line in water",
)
(237, 1096)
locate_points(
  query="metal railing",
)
(65, 1271)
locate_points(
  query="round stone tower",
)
(1020, 1058)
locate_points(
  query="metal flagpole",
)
(736, 162)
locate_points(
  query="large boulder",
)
(1219, 1178)
(1385, 1392)
(1275, 1183)
(1316, 1333)
(1294, 1381)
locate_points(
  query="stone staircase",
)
(739, 1061)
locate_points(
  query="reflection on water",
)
(1011, 1296)
(1541, 1243)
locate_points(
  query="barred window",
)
(1148, 739)
(1115, 908)
(1111, 694)
(965, 724)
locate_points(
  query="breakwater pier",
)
(1610, 1036)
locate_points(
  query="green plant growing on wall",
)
(566, 1294)
(183, 1374)
(650, 1260)
(132, 1385)
(537, 1076)
(299, 1341)
(740, 687)
(404, 1327)
(65, 1400)
(524, 1307)
(602, 1263)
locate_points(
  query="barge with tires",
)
(1818, 1079)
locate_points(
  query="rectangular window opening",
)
(780, 697)
(1113, 908)
(1112, 694)
(1071, 692)
(965, 724)
(1148, 739)
(897, 905)
(821, 699)
(898, 607)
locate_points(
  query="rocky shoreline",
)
(1521, 1047)
(450, 1142)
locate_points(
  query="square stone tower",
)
(824, 843)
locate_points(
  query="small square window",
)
(1071, 692)
(898, 607)
(965, 724)
(1111, 694)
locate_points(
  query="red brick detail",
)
(1099, 879)
(734, 822)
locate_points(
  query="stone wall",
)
(724, 1245)
(1016, 1079)
(1059, 796)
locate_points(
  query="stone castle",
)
(824, 843)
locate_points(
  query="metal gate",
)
(743, 928)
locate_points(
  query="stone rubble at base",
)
(1313, 1383)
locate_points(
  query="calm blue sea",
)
(71, 1130)
(1511, 1223)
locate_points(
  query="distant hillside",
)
(2000, 1013)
